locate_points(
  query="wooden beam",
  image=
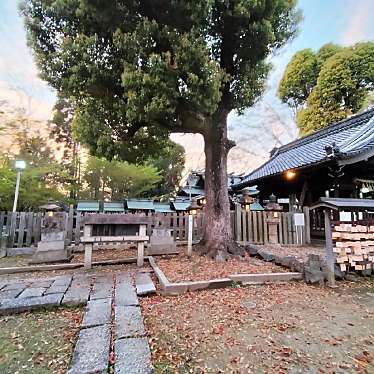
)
(330, 259)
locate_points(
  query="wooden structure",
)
(23, 229)
(332, 207)
(337, 161)
(253, 227)
(114, 228)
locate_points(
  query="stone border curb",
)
(32, 268)
(174, 289)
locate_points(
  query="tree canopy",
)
(115, 180)
(140, 69)
(329, 85)
(40, 181)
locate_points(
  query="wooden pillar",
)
(330, 260)
(142, 232)
(238, 222)
(307, 225)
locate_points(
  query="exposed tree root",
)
(220, 253)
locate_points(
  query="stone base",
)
(52, 251)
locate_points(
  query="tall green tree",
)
(140, 69)
(116, 180)
(35, 189)
(170, 164)
(62, 133)
(329, 85)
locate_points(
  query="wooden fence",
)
(252, 227)
(22, 229)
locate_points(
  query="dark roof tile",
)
(353, 136)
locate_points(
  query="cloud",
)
(360, 26)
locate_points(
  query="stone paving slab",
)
(41, 283)
(32, 292)
(10, 294)
(91, 353)
(125, 294)
(76, 296)
(62, 280)
(98, 312)
(132, 356)
(56, 289)
(144, 284)
(20, 305)
(14, 286)
(102, 290)
(105, 278)
(128, 322)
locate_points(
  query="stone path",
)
(112, 326)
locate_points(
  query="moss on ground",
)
(38, 342)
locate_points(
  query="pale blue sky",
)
(339, 21)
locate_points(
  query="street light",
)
(20, 166)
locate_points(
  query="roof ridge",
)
(336, 126)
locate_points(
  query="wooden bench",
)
(114, 228)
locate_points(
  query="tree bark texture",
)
(218, 240)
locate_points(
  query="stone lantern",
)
(53, 244)
(273, 209)
(247, 197)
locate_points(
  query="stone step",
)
(132, 356)
(91, 353)
(19, 305)
(125, 292)
(144, 284)
(128, 322)
(98, 312)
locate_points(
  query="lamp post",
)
(20, 166)
(192, 211)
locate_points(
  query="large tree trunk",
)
(217, 241)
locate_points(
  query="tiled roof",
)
(88, 206)
(162, 207)
(114, 207)
(352, 136)
(181, 205)
(140, 204)
(192, 190)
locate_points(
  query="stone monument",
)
(161, 243)
(53, 244)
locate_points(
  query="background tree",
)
(329, 85)
(170, 164)
(35, 189)
(61, 132)
(139, 70)
(115, 180)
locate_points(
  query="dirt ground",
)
(95, 270)
(14, 261)
(289, 328)
(107, 254)
(39, 342)
(182, 268)
(301, 253)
